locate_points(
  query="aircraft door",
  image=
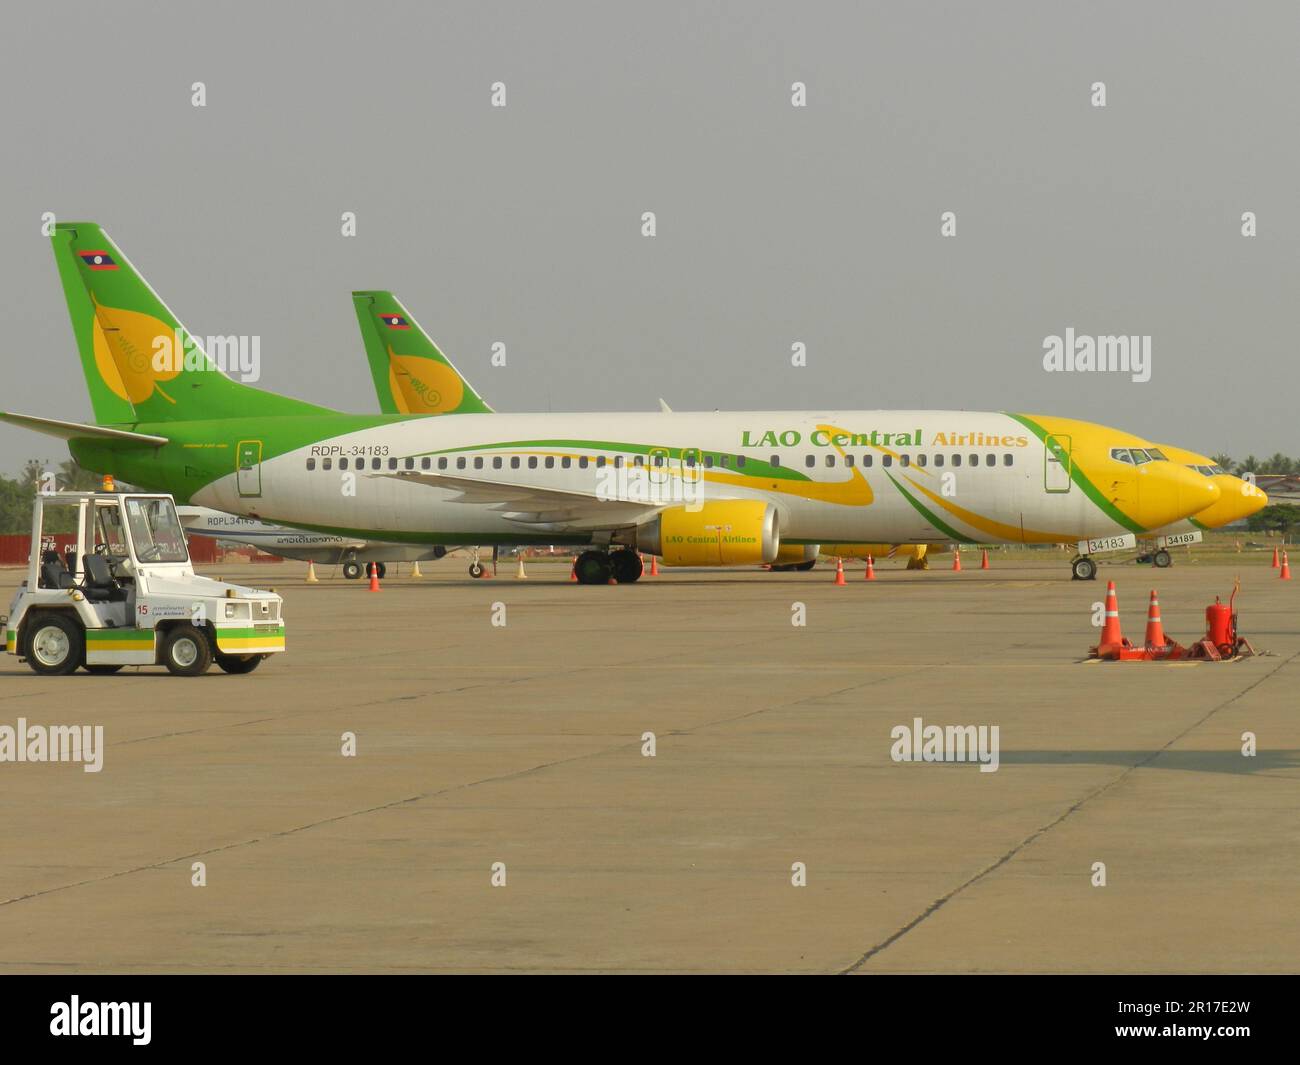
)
(1057, 463)
(249, 465)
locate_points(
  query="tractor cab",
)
(125, 593)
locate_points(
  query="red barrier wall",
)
(15, 549)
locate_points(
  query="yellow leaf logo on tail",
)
(423, 386)
(130, 338)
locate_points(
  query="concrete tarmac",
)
(522, 744)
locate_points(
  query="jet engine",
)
(735, 532)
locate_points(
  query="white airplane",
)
(694, 488)
(352, 553)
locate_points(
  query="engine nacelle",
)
(735, 532)
(795, 554)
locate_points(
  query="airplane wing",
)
(81, 431)
(541, 509)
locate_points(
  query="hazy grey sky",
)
(775, 224)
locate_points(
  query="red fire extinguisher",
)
(1220, 626)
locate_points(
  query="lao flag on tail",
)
(97, 260)
(394, 321)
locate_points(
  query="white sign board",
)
(1107, 543)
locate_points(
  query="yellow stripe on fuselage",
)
(998, 530)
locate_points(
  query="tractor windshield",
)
(155, 530)
(110, 537)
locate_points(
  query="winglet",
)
(663, 406)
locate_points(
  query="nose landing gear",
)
(1083, 569)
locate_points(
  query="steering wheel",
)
(150, 553)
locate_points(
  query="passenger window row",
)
(937, 460)
(498, 462)
(478, 462)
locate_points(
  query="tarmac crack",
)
(1042, 830)
(407, 800)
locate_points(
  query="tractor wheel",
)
(186, 652)
(237, 663)
(56, 645)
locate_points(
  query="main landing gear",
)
(597, 567)
(352, 569)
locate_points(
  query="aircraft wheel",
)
(1084, 569)
(804, 567)
(627, 566)
(381, 569)
(352, 569)
(593, 567)
(1162, 559)
(477, 570)
(238, 663)
(56, 645)
(186, 652)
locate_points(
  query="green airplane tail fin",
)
(140, 363)
(412, 376)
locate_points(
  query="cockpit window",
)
(1219, 471)
(1157, 454)
(1120, 454)
(1139, 456)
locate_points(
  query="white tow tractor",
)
(129, 596)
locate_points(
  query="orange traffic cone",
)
(1286, 568)
(1155, 636)
(1276, 563)
(839, 571)
(984, 559)
(654, 565)
(956, 560)
(1112, 639)
(871, 569)
(374, 577)
(573, 569)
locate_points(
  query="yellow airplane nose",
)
(1237, 499)
(1169, 492)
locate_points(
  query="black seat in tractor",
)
(100, 585)
(53, 574)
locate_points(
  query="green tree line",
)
(1277, 463)
(18, 493)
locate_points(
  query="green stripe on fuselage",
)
(1081, 479)
(929, 515)
(201, 452)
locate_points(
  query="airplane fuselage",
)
(834, 477)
